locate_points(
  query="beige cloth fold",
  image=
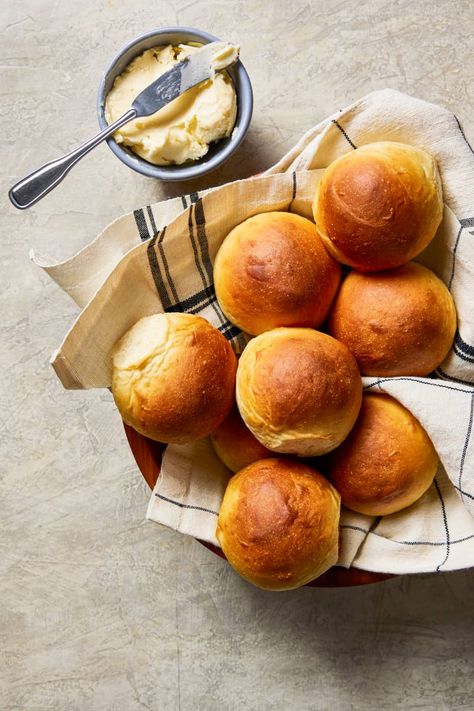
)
(160, 258)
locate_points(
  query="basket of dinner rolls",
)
(297, 386)
(290, 339)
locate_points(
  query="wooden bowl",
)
(148, 455)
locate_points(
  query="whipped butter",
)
(182, 130)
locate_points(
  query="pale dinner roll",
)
(173, 377)
(387, 462)
(272, 270)
(298, 390)
(279, 524)
(399, 322)
(235, 445)
(379, 206)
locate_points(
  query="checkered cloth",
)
(159, 258)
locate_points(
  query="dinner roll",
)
(173, 377)
(379, 206)
(279, 524)
(298, 390)
(386, 463)
(399, 322)
(272, 270)
(235, 445)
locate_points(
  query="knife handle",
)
(35, 186)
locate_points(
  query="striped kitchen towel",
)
(159, 258)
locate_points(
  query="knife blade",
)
(194, 69)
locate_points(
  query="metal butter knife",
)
(193, 70)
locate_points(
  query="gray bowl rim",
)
(188, 171)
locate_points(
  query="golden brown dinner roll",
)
(235, 445)
(386, 463)
(399, 322)
(272, 270)
(298, 390)
(173, 377)
(379, 206)
(279, 524)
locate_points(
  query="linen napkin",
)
(159, 258)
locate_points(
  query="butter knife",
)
(198, 67)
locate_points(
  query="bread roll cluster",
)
(296, 392)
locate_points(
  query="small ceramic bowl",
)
(219, 151)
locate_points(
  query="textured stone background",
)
(98, 609)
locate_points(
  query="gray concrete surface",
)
(98, 609)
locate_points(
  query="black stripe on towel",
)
(196, 302)
(344, 133)
(229, 330)
(200, 220)
(463, 346)
(463, 134)
(194, 246)
(293, 190)
(142, 227)
(408, 543)
(433, 543)
(455, 249)
(202, 260)
(464, 493)
(463, 349)
(186, 506)
(465, 446)
(354, 528)
(423, 382)
(445, 376)
(152, 219)
(157, 240)
(464, 224)
(156, 272)
(445, 522)
(200, 301)
(169, 278)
